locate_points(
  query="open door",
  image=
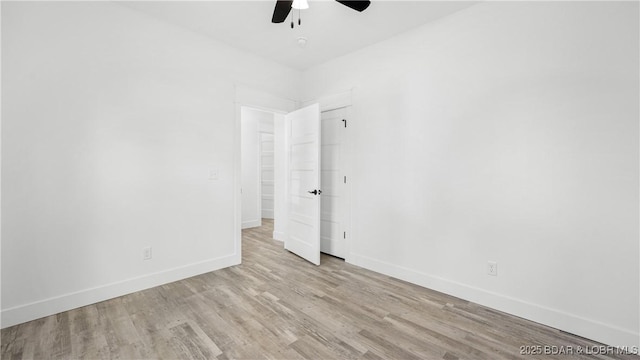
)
(303, 179)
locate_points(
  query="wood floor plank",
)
(277, 306)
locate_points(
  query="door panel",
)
(303, 175)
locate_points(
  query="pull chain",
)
(299, 20)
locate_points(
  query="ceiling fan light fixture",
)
(300, 4)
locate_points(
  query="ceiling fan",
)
(283, 8)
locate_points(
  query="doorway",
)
(263, 175)
(261, 168)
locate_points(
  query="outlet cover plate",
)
(492, 268)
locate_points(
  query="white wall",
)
(112, 121)
(506, 132)
(251, 120)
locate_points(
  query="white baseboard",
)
(251, 223)
(278, 235)
(590, 329)
(35, 310)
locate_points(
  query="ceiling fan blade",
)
(281, 11)
(355, 5)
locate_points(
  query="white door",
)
(333, 215)
(303, 183)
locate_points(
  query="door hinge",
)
(345, 235)
(345, 179)
(345, 122)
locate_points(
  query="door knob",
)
(315, 192)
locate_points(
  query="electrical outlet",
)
(146, 253)
(492, 268)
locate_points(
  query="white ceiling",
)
(331, 28)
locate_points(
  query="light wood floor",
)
(277, 306)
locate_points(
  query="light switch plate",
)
(146, 253)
